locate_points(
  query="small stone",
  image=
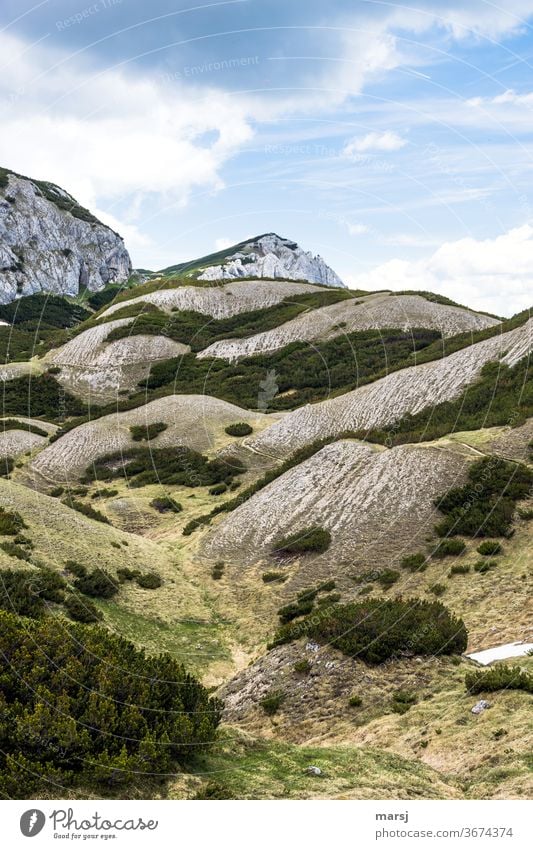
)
(480, 706)
(313, 770)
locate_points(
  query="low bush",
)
(459, 569)
(26, 591)
(218, 570)
(81, 609)
(7, 464)
(15, 424)
(87, 510)
(11, 522)
(166, 504)
(302, 667)
(387, 578)
(489, 548)
(402, 701)
(485, 506)
(500, 677)
(331, 598)
(415, 562)
(272, 702)
(312, 539)
(218, 489)
(449, 548)
(75, 568)
(105, 493)
(57, 491)
(239, 429)
(437, 589)
(147, 432)
(377, 629)
(482, 566)
(294, 610)
(272, 577)
(125, 574)
(99, 584)
(149, 580)
(355, 701)
(15, 550)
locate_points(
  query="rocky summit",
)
(49, 243)
(274, 257)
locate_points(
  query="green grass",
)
(196, 644)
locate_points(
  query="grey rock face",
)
(45, 247)
(273, 257)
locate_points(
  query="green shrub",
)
(218, 570)
(294, 610)
(272, 702)
(500, 677)
(25, 591)
(87, 510)
(402, 701)
(355, 701)
(15, 424)
(239, 429)
(147, 432)
(485, 506)
(77, 569)
(449, 547)
(326, 600)
(437, 589)
(312, 539)
(85, 708)
(526, 514)
(57, 491)
(378, 629)
(459, 569)
(218, 489)
(11, 522)
(105, 493)
(302, 667)
(213, 790)
(81, 609)
(125, 574)
(271, 577)
(166, 504)
(98, 584)
(489, 548)
(14, 550)
(415, 562)
(7, 464)
(387, 578)
(482, 566)
(149, 580)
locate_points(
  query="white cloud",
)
(494, 275)
(357, 229)
(386, 141)
(508, 98)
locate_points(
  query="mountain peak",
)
(266, 256)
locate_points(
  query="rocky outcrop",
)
(48, 243)
(273, 257)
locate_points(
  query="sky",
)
(395, 140)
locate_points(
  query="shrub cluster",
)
(26, 591)
(312, 539)
(378, 629)
(99, 584)
(305, 602)
(239, 429)
(166, 504)
(272, 702)
(500, 677)
(81, 609)
(84, 707)
(485, 506)
(449, 548)
(147, 431)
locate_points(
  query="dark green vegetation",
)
(272, 702)
(166, 504)
(485, 506)
(103, 298)
(501, 396)
(402, 701)
(239, 429)
(147, 432)
(87, 510)
(434, 298)
(11, 522)
(27, 591)
(309, 373)
(149, 581)
(500, 677)
(97, 584)
(313, 539)
(84, 708)
(177, 466)
(273, 577)
(376, 630)
(14, 424)
(39, 396)
(199, 330)
(305, 602)
(449, 548)
(43, 312)
(81, 609)
(489, 548)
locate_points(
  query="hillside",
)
(49, 243)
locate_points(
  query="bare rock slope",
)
(49, 243)
(196, 421)
(371, 312)
(387, 400)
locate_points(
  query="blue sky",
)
(393, 139)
